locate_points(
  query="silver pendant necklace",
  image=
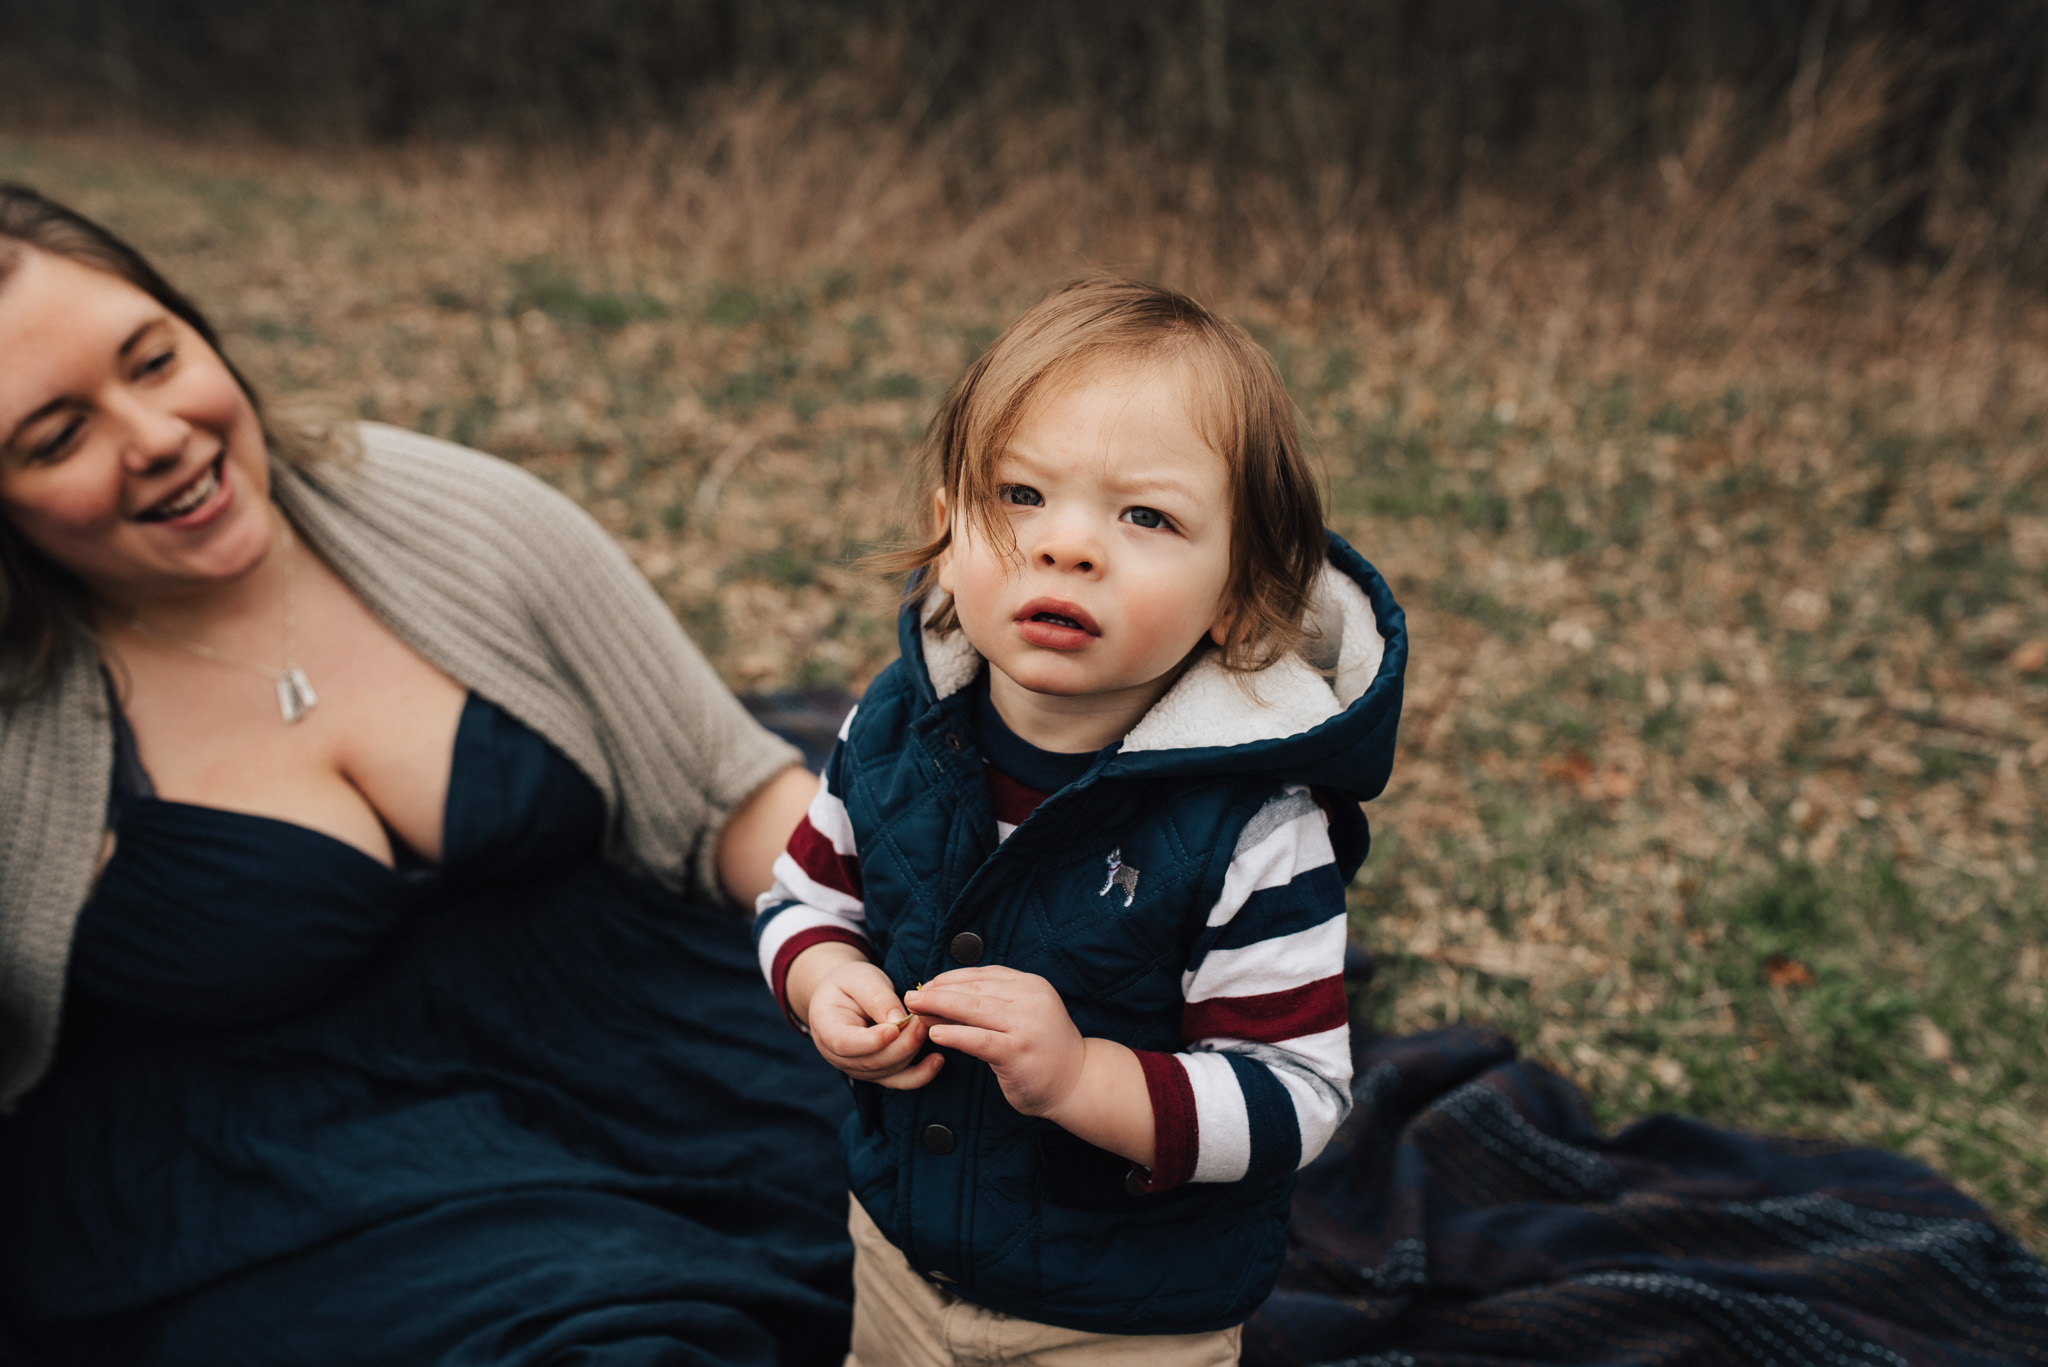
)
(295, 696)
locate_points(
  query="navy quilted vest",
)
(1012, 1212)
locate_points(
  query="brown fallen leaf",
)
(1570, 767)
(1780, 971)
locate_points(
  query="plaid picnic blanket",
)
(1469, 1214)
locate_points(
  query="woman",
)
(369, 988)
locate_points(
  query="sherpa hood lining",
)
(1213, 706)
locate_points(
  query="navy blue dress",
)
(518, 1108)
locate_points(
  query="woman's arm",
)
(757, 832)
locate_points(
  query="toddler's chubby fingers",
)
(992, 978)
(894, 1056)
(959, 1007)
(915, 1076)
(878, 1000)
(990, 1046)
(986, 997)
(885, 1009)
(843, 1029)
(852, 1048)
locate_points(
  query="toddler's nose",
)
(1054, 560)
(1064, 546)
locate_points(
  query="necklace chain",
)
(295, 696)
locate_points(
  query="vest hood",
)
(1327, 721)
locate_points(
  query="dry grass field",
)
(1722, 781)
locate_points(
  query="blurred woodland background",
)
(1684, 365)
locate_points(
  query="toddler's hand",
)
(860, 1027)
(1014, 1022)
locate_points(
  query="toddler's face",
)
(1121, 512)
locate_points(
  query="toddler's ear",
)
(1219, 630)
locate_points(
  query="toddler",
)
(1069, 906)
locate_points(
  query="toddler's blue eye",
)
(1145, 517)
(1022, 495)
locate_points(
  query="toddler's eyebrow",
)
(1017, 465)
(1161, 483)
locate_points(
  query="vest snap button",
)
(938, 1139)
(1134, 1182)
(967, 948)
(954, 743)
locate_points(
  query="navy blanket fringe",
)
(1468, 1213)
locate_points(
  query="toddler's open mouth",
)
(1056, 613)
(1056, 625)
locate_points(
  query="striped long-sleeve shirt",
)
(1263, 1077)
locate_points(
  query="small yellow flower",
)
(908, 1014)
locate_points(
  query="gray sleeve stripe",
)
(1291, 805)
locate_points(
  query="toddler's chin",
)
(1049, 679)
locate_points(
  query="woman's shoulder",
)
(416, 518)
(403, 462)
(414, 489)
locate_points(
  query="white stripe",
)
(828, 817)
(847, 725)
(1316, 1112)
(792, 884)
(1003, 829)
(1327, 1053)
(1270, 965)
(797, 919)
(1223, 1128)
(1274, 861)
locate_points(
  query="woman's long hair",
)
(42, 609)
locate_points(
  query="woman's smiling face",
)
(129, 454)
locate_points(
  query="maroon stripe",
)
(814, 854)
(778, 974)
(1011, 799)
(1176, 1135)
(1269, 1017)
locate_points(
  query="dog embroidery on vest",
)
(1121, 875)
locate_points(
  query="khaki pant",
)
(902, 1320)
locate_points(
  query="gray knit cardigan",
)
(500, 581)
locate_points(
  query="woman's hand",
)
(1018, 1025)
(856, 1020)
